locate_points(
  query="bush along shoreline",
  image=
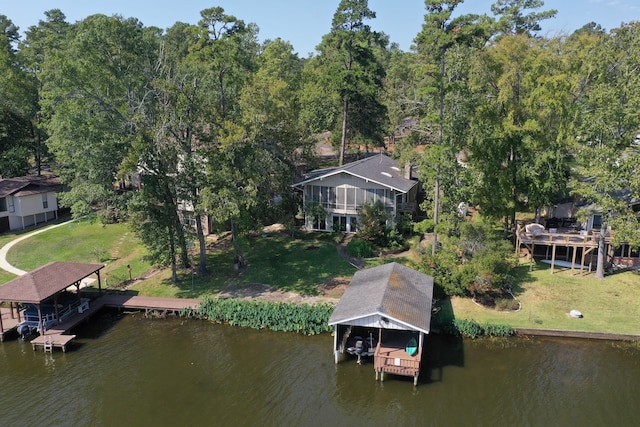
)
(276, 316)
(310, 319)
(472, 329)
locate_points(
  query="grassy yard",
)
(295, 265)
(609, 305)
(82, 241)
(301, 264)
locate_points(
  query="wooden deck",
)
(50, 341)
(393, 359)
(587, 243)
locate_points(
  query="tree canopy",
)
(167, 127)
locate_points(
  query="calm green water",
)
(131, 371)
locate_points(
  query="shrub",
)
(507, 304)
(394, 240)
(276, 316)
(497, 330)
(443, 266)
(373, 218)
(359, 248)
(404, 224)
(468, 328)
(472, 329)
(423, 227)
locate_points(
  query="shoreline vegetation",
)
(308, 271)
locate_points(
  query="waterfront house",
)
(391, 303)
(341, 191)
(28, 200)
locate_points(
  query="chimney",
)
(407, 169)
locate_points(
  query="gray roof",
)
(391, 290)
(44, 282)
(27, 185)
(379, 168)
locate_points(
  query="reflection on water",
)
(134, 371)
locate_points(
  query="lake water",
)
(126, 370)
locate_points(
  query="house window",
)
(597, 222)
(3, 204)
(45, 202)
(188, 219)
(10, 201)
(339, 223)
(351, 198)
(319, 223)
(341, 200)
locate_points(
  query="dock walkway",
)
(58, 337)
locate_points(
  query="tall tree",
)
(17, 104)
(519, 131)
(607, 125)
(440, 33)
(352, 70)
(513, 18)
(42, 41)
(92, 91)
(223, 58)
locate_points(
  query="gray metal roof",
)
(46, 281)
(379, 168)
(391, 290)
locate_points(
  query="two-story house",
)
(342, 191)
(27, 201)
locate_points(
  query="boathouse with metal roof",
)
(394, 303)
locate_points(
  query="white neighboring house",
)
(343, 190)
(28, 200)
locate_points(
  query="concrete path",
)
(5, 249)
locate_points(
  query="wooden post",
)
(40, 322)
(336, 352)
(573, 259)
(553, 257)
(531, 259)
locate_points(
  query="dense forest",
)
(493, 114)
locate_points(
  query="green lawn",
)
(295, 265)
(82, 241)
(301, 264)
(609, 305)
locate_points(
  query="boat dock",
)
(58, 337)
(9, 322)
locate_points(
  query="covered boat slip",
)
(44, 294)
(391, 303)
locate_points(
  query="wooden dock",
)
(10, 324)
(149, 304)
(393, 359)
(58, 337)
(50, 341)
